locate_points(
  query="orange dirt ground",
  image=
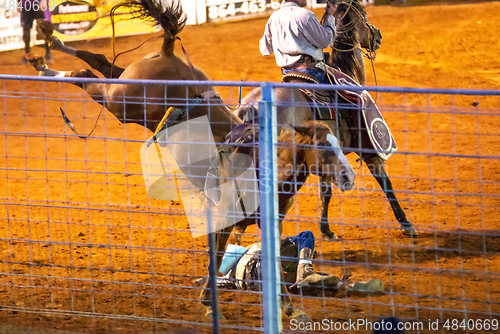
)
(80, 240)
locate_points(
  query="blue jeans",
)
(303, 240)
(315, 72)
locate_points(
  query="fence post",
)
(269, 224)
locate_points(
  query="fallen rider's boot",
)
(307, 277)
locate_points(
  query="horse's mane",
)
(346, 37)
(167, 13)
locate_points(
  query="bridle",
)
(370, 53)
(360, 14)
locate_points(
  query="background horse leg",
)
(324, 226)
(221, 238)
(376, 166)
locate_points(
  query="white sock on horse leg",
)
(44, 71)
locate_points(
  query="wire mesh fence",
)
(86, 247)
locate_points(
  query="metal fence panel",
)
(83, 247)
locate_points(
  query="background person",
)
(32, 10)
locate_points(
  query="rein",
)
(369, 53)
(72, 127)
(191, 67)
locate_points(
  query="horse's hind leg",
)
(95, 90)
(221, 238)
(98, 62)
(324, 226)
(376, 166)
(43, 70)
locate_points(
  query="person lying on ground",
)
(241, 267)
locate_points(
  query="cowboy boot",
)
(305, 272)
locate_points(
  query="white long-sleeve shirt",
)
(292, 31)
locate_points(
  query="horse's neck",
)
(351, 63)
(291, 178)
(358, 54)
(290, 161)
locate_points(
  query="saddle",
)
(369, 126)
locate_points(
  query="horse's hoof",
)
(300, 316)
(44, 29)
(329, 236)
(36, 61)
(209, 313)
(410, 231)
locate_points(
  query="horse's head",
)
(323, 155)
(352, 24)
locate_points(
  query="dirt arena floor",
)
(83, 248)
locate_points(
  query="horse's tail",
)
(167, 13)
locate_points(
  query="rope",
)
(72, 127)
(354, 47)
(191, 68)
(374, 73)
(370, 53)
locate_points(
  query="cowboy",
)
(241, 267)
(297, 38)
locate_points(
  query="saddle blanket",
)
(375, 134)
